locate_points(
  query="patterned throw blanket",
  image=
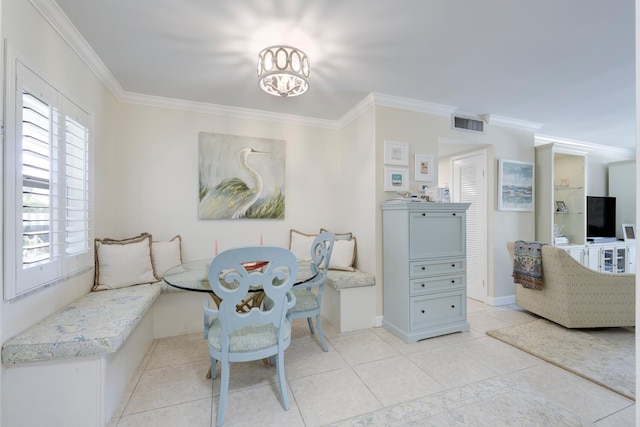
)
(527, 264)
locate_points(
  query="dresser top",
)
(424, 206)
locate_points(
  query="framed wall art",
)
(396, 153)
(515, 185)
(424, 167)
(240, 177)
(629, 232)
(396, 179)
(561, 207)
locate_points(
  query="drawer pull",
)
(424, 214)
(424, 268)
(453, 281)
(453, 306)
(453, 265)
(454, 214)
(423, 285)
(422, 311)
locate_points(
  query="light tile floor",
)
(369, 377)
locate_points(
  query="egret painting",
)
(240, 177)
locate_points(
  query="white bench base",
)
(84, 390)
(80, 391)
(349, 309)
(178, 313)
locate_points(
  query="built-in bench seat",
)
(100, 322)
(93, 346)
(349, 299)
(97, 323)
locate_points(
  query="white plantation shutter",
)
(47, 186)
(468, 177)
(470, 187)
(37, 171)
(76, 188)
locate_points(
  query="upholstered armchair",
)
(577, 297)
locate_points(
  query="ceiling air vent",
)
(468, 124)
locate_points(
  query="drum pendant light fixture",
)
(283, 71)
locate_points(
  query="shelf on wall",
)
(562, 187)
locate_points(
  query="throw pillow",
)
(121, 263)
(166, 255)
(343, 255)
(300, 244)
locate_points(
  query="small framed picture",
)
(424, 167)
(629, 232)
(396, 153)
(561, 207)
(396, 179)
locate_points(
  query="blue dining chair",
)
(309, 303)
(260, 333)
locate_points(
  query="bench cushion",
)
(96, 323)
(349, 279)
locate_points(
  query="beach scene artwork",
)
(515, 186)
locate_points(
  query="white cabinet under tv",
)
(613, 257)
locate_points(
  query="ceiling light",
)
(283, 71)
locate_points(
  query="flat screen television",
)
(601, 217)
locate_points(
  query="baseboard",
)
(377, 321)
(496, 302)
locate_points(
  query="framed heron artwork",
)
(240, 177)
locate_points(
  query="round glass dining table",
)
(193, 276)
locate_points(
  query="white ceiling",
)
(565, 64)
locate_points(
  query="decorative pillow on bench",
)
(166, 255)
(121, 263)
(134, 261)
(343, 255)
(344, 252)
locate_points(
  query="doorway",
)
(469, 178)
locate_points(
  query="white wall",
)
(356, 186)
(622, 186)
(597, 176)
(27, 32)
(157, 180)
(509, 144)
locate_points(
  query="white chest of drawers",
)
(424, 253)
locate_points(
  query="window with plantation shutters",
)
(47, 186)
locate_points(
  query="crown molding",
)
(52, 13)
(582, 145)
(448, 110)
(225, 110)
(412, 104)
(362, 106)
(515, 123)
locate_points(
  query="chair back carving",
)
(321, 250)
(231, 277)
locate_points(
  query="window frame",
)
(20, 279)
